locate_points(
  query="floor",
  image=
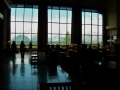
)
(16, 74)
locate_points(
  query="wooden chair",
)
(56, 86)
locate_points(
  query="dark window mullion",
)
(98, 27)
(31, 23)
(59, 27)
(66, 26)
(51, 25)
(84, 26)
(15, 23)
(91, 26)
(23, 22)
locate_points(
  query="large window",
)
(24, 24)
(59, 25)
(91, 27)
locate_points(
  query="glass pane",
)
(49, 39)
(88, 29)
(83, 29)
(20, 5)
(62, 28)
(49, 28)
(94, 18)
(28, 6)
(19, 38)
(35, 15)
(55, 28)
(94, 40)
(49, 15)
(28, 14)
(34, 39)
(68, 39)
(68, 8)
(100, 19)
(55, 15)
(34, 27)
(12, 27)
(19, 14)
(64, 8)
(94, 30)
(12, 37)
(27, 27)
(100, 30)
(87, 39)
(35, 6)
(54, 7)
(87, 17)
(19, 27)
(27, 38)
(69, 16)
(63, 14)
(83, 39)
(69, 28)
(63, 39)
(100, 40)
(12, 14)
(83, 18)
(55, 39)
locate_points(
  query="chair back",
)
(56, 86)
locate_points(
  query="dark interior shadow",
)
(22, 68)
(13, 59)
(52, 70)
(14, 66)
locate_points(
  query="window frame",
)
(59, 8)
(24, 6)
(98, 25)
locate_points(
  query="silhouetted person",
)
(22, 49)
(14, 48)
(30, 46)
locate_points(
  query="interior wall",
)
(118, 19)
(4, 34)
(1, 28)
(8, 2)
(85, 3)
(65, 2)
(111, 13)
(93, 3)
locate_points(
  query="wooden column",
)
(42, 27)
(76, 32)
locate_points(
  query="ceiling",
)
(50, 1)
(5, 3)
(99, 3)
